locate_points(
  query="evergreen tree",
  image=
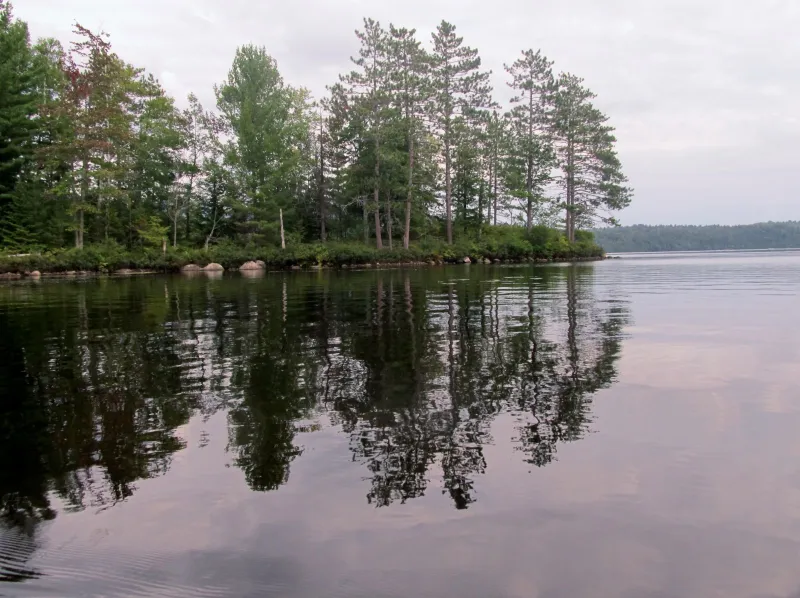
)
(18, 100)
(531, 80)
(459, 89)
(29, 79)
(155, 163)
(368, 86)
(411, 88)
(591, 173)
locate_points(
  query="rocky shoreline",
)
(255, 267)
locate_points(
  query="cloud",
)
(703, 94)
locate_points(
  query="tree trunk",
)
(84, 197)
(79, 229)
(570, 219)
(389, 218)
(378, 236)
(494, 193)
(480, 209)
(377, 198)
(409, 195)
(188, 219)
(214, 221)
(283, 240)
(323, 234)
(189, 191)
(529, 191)
(448, 190)
(489, 191)
(366, 222)
(529, 178)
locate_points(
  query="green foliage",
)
(270, 122)
(507, 243)
(591, 173)
(153, 232)
(408, 148)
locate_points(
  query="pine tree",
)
(591, 173)
(459, 89)
(368, 86)
(20, 95)
(531, 79)
(411, 90)
(32, 80)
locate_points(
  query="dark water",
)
(627, 428)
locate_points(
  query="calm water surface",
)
(620, 429)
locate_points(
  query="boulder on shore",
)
(214, 267)
(261, 264)
(252, 266)
(35, 274)
(466, 260)
(191, 268)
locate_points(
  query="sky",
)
(703, 93)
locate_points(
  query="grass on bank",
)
(505, 243)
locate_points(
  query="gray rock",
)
(214, 267)
(191, 268)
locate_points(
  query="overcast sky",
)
(705, 94)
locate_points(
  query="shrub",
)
(498, 242)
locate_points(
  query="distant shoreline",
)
(612, 254)
(641, 238)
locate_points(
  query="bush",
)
(497, 242)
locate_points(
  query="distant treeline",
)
(640, 237)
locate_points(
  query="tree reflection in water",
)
(413, 366)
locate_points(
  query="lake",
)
(626, 428)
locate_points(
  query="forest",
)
(411, 149)
(764, 235)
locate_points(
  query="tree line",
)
(410, 144)
(763, 235)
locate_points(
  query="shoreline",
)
(218, 270)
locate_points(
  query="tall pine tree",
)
(591, 173)
(459, 89)
(531, 80)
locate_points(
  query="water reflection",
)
(97, 378)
